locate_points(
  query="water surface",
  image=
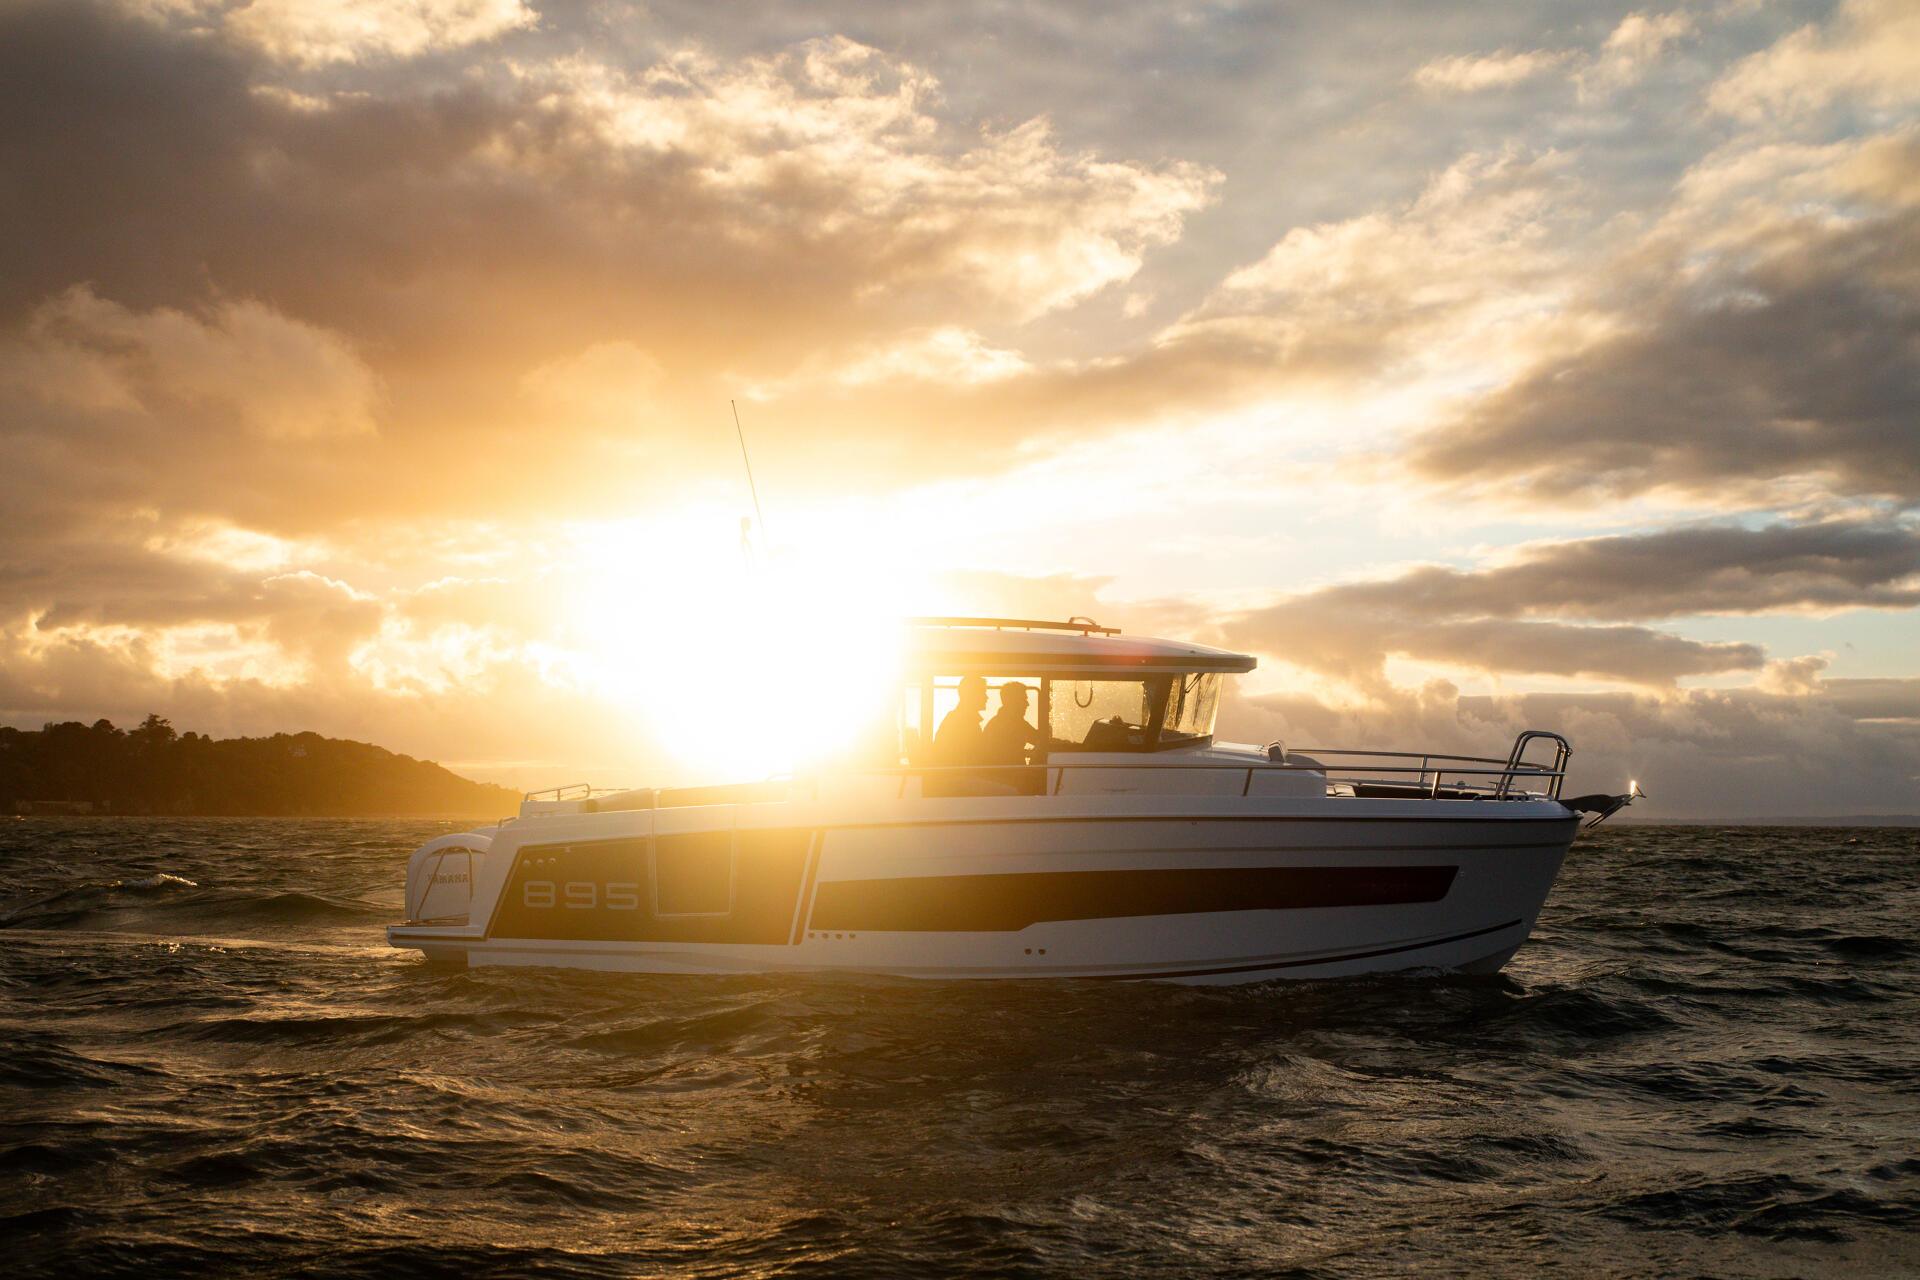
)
(1704, 1062)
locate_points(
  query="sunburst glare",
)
(737, 663)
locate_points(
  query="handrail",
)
(575, 791)
(1085, 626)
(1361, 767)
(1498, 784)
(1528, 769)
(1562, 752)
(572, 790)
(1393, 755)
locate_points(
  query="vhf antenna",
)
(752, 488)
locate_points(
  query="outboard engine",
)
(440, 877)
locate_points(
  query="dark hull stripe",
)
(1302, 964)
(1009, 902)
(1397, 848)
(957, 821)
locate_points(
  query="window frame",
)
(653, 875)
(1166, 704)
(1159, 687)
(1159, 692)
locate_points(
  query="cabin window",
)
(942, 697)
(1192, 701)
(1101, 715)
(693, 874)
(1132, 715)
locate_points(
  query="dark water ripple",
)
(1704, 1063)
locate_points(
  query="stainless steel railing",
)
(1427, 779)
(571, 791)
(1362, 773)
(1366, 773)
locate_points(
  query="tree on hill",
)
(152, 769)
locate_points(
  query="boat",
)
(1123, 842)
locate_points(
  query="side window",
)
(693, 874)
(1101, 715)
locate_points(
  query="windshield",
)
(1191, 703)
(1131, 715)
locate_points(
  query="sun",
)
(735, 664)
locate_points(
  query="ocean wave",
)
(713, 1031)
(1580, 1013)
(170, 900)
(287, 907)
(336, 1030)
(36, 1060)
(1776, 1206)
(76, 901)
(1700, 1065)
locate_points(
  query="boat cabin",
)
(1105, 714)
(1089, 688)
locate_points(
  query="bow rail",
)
(1349, 772)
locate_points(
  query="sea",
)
(1706, 1062)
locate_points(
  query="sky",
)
(365, 367)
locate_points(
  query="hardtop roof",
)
(1001, 646)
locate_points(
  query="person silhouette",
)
(957, 741)
(1008, 737)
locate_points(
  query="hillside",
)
(154, 770)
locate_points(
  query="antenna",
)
(751, 487)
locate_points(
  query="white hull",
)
(1192, 889)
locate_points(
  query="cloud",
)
(309, 32)
(242, 362)
(1760, 343)
(1878, 699)
(1756, 343)
(1632, 48)
(1474, 251)
(1793, 677)
(503, 710)
(1463, 73)
(950, 355)
(126, 427)
(315, 619)
(1636, 655)
(848, 140)
(1869, 52)
(1628, 52)
(738, 220)
(610, 385)
(1675, 572)
(1518, 617)
(1351, 643)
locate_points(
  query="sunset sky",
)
(365, 368)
